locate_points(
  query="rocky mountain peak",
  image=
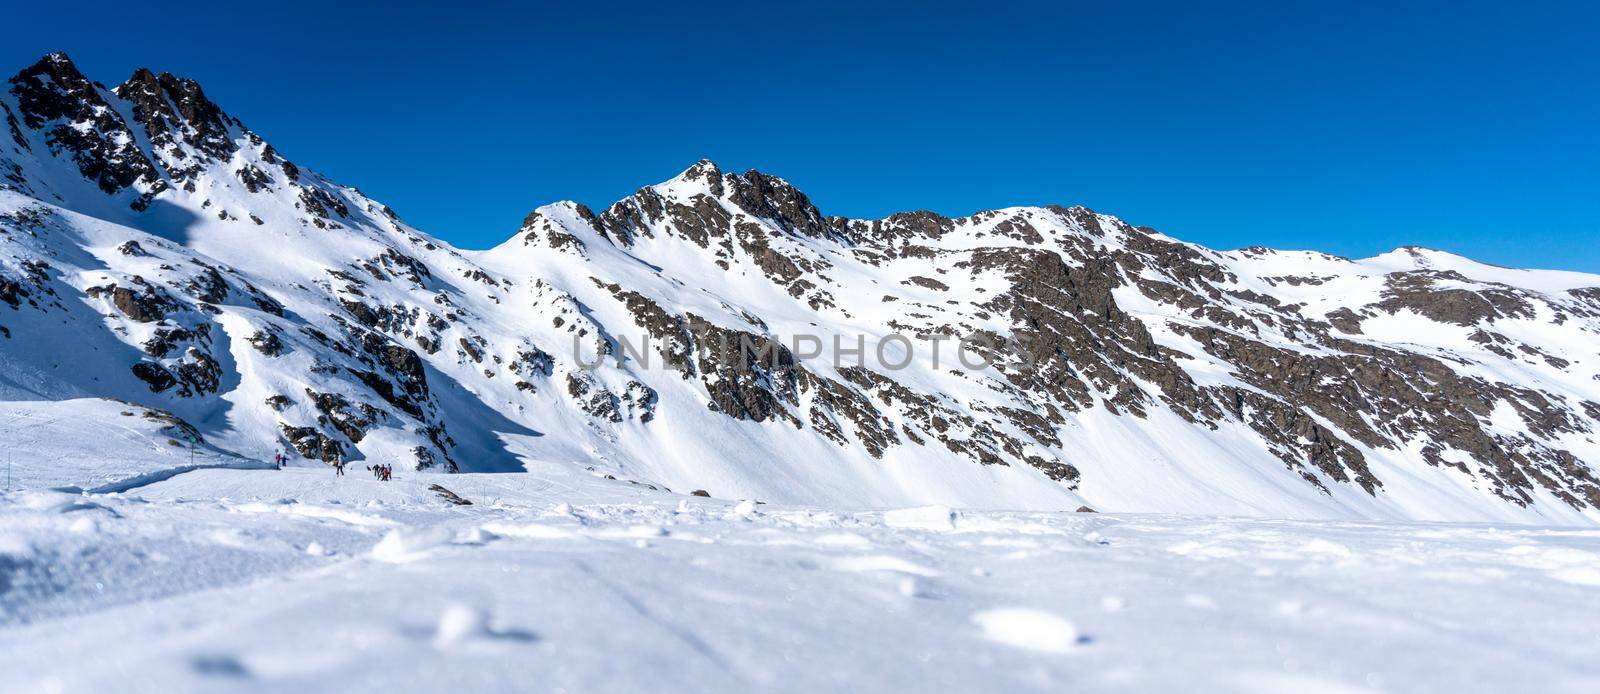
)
(166, 103)
(53, 97)
(57, 68)
(759, 194)
(773, 198)
(703, 171)
(156, 136)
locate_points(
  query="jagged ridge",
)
(144, 229)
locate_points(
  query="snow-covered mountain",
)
(155, 250)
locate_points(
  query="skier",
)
(338, 466)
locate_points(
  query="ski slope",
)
(100, 446)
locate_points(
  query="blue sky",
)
(1347, 127)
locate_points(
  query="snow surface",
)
(561, 580)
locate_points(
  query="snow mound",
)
(1027, 628)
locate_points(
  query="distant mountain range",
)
(154, 249)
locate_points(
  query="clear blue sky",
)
(1340, 126)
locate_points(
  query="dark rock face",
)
(166, 339)
(897, 230)
(209, 286)
(471, 350)
(266, 303)
(255, 180)
(351, 420)
(313, 444)
(532, 363)
(323, 206)
(267, 342)
(156, 376)
(172, 109)
(536, 228)
(748, 376)
(146, 305)
(54, 98)
(1419, 291)
(406, 368)
(772, 198)
(635, 401)
(199, 372)
(12, 292)
(1075, 341)
(396, 264)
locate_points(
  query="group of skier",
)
(383, 473)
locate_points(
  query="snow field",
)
(288, 580)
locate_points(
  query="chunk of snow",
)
(458, 623)
(408, 544)
(922, 517)
(880, 563)
(1027, 628)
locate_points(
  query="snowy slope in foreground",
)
(560, 581)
